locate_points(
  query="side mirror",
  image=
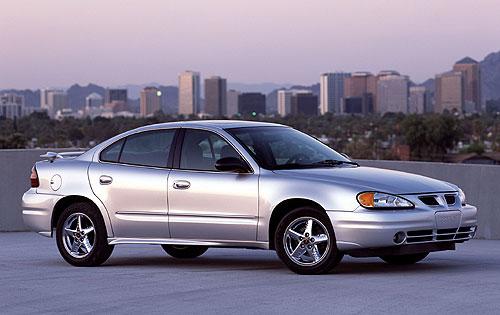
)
(231, 164)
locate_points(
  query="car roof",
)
(220, 124)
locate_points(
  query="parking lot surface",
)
(143, 279)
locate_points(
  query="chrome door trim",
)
(140, 213)
(209, 215)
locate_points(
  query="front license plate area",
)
(448, 219)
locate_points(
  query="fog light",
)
(399, 238)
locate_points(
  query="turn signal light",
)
(34, 178)
(366, 199)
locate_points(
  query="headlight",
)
(378, 200)
(461, 195)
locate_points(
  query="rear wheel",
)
(184, 251)
(81, 236)
(305, 242)
(404, 259)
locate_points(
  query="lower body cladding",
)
(369, 233)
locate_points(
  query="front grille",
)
(456, 234)
(450, 199)
(432, 200)
(429, 200)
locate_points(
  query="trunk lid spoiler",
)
(51, 156)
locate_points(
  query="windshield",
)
(286, 148)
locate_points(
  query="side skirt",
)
(174, 241)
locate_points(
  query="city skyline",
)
(75, 48)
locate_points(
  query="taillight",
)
(34, 178)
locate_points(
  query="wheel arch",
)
(64, 202)
(283, 208)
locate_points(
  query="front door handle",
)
(105, 180)
(181, 184)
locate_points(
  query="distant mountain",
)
(490, 68)
(78, 93)
(258, 87)
(31, 97)
(429, 85)
(134, 90)
(272, 97)
(170, 99)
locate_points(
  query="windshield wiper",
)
(335, 162)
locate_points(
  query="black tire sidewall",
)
(190, 251)
(333, 257)
(101, 250)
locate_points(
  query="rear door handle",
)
(105, 180)
(181, 184)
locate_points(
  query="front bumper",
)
(37, 211)
(367, 229)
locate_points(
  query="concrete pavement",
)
(143, 279)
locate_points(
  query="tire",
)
(297, 247)
(81, 236)
(184, 251)
(404, 259)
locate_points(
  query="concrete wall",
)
(480, 183)
(15, 170)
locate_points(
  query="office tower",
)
(43, 98)
(417, 102)
(285, 101)
(304, 104)
(449, 92)
(215, 96)
(189, 93)
(94, 100)
(11, 105)
(56, 100)
(392, 93)
(252, 103)
(471, 71)
(232, 103)
(332, 91)
(115, 95)
(362, 88)
(150, 101)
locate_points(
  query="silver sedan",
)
(188, 186)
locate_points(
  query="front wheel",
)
(81, 236)
(305, 242)
(404, 259)
(184, 251)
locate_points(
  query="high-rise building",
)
(332, 91)
(471, 70)
(304, 104)
(150, 101)
(417, 102)
(189, 93)
(392, 93)
(215, 96)
(232, 103)
(115, 95)
(285, 101)
(94, 100)
(56, 100)
(11, 105)
(363, 87)
(252, 103)
(449, 91)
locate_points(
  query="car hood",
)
(376, 179)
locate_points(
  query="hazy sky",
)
(60, 42)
